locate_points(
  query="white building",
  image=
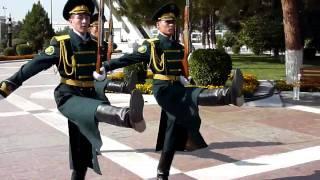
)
(3, 27)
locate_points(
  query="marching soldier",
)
(75, 57)
(94, 29)
(180, 120)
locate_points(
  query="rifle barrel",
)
(110, 38)
(100, 53)
(186, 40)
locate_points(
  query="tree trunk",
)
(292, 39)
(203, 36)
(213, 32)
(205, 29)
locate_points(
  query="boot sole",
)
(136, 111)
(237, 85)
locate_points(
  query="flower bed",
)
(7, 58)
(250, 83)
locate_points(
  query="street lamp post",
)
(2, 22)
(9, 31)
(51, 13)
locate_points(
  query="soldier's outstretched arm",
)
(39, 63)
(141, 55)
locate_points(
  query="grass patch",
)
(265, 67)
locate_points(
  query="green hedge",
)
(23, 49)
(9, 51)
(210, 67)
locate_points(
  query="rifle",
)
(186, 40)
(110, 37)
(101, 48)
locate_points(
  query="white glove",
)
(100, 76)
(1, 97)
(184, 81)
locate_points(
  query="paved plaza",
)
(273, 138)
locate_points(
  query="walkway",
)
(273, 138)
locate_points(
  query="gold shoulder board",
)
(152, 40)
(62, 37)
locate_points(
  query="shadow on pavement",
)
(207, 153)
(306, 98)
(314, 176)
(228, 145)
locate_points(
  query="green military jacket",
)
(75, 60)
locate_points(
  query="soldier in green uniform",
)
(180, 120)
(94, 29)
(116, 86)
(75, 56)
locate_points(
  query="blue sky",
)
(19, 8)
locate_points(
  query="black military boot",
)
(223, 96)
(131, 117)
(236, 88)
(78, 175)
(214, 97)
(123, 86)
(164, 165)
(7, 87)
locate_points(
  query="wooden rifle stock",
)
(110, 37)
(186, 40)
(101, 48)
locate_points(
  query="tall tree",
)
(311, 23)
(264, 30)
(36, 27)
(205, 14)
(16, 29)
(294, 48)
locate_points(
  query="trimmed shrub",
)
(23, 49)
(18, 41)
(210, 67)
(236, 48)
(9, 51)
(140, 69)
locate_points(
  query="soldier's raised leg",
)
(131, 117)
(223, 96)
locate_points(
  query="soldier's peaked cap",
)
(77, 7)
(94, 18)
(168, 11)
